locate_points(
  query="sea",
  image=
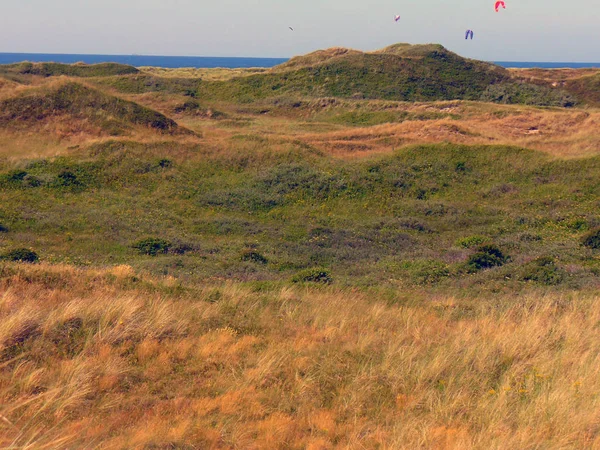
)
(207, 62)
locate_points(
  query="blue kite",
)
(469, 34)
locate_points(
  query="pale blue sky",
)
(528, 30)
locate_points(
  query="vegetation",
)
(152, 246)
(592, 239)
(306, 267)
(313, 275)
(252, 255)
(380, 221)
(83, 103)
(527, 94)
(486, 257)
(127, 361)
(21, 255)
(587, 88)
(72, 70)
(141, 83)
(543, 270)
(437, 75)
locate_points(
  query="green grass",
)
(528, 94)
(373, 76)
(403, 218)
(400, 73)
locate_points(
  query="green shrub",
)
(31, 181)
(252, 255)
(529, 94)
(487, 257)
(181, 248)
(165, 163)
(187, 106)
(152, 246)
(21, 255)
(428, 272)
(13, 178)
(592, 239)
(542, 270)
(470, 241)
(313, 275)
(67, 178)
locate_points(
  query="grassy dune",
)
(398, 220)
(56, 69)
(217, 261)
(117, 360)
(79, 103)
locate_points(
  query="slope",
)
(75, 107)
(400, 72)
(72, 70)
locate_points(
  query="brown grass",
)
(563, 133)
(108, 359)
(218, 74)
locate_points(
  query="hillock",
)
(586, 88)
(76, 101)
(401, 72)
(73, 70)
(581, 84)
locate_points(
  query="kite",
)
(396, 18)
(291, 28)
(500, 3)
(468, 34)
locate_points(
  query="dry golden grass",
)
(218, 74)
(108, 359)
(563, 133)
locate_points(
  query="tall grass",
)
(117, 360)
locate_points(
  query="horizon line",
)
(254, 57)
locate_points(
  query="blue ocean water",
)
(142, 60)
(212, 62)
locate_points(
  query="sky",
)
(528, 30)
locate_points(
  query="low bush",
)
(181, 248)
(252, 255)
(486, 257)
(67, 178)
(21, 255)
(313, 275)
(542, 270)
(592, 239)
(32, 181)
(152, 246)
(165, 163)
(187, 106)
(429, 272)
(13, 178)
